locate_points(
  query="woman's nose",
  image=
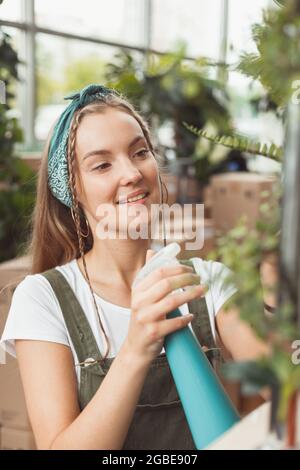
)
(129, 173)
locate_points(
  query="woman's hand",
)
(150, 304)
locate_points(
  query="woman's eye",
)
(101, 167)
(142, 153)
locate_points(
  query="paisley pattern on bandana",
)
(58, 173)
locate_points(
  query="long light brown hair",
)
(55, 237)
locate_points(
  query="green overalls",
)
(159, 421)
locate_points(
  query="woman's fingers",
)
(151, 300)
(156, 330)
(159, 274)
(159, 290)
(171, 302)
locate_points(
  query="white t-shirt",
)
(35, 313)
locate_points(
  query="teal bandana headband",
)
(58, 174)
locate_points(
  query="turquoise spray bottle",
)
(207, 407)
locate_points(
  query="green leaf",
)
(239, 143)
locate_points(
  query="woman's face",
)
(113, 161)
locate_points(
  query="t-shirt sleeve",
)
(34, 314)
(218, 278)
(221, 284)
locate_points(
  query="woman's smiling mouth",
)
(138, 199)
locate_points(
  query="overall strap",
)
(81, 334)
(202, 325)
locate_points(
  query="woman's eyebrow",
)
(105, 152)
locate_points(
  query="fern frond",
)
(242, 144)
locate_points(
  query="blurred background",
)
(175, 60)
(65, 45)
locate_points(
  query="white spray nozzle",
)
(165, 256)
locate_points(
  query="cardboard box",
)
(12, 272)
(238, 194)
(17, 439)
(13, 413)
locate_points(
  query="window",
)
(63, 66)
(114, 20)
(11, 10)
(72, 42)
(196, 22)
(17, 38)
(264, 127)
(69, 48)
(241, 17)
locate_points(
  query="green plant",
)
(241, 143)
(276, 66)
(17, 183)
(244, 251)
(277, 63)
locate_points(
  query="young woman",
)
(88, 344)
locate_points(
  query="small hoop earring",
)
(163, 215)
(84, 235)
